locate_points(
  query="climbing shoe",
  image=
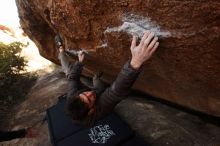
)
(58, 41)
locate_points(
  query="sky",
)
(8, 13)
(9, 18)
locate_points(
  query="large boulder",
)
(184, 70)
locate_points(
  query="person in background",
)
(21, 133)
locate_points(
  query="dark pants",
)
(9, 135)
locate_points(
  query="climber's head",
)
(81, 105)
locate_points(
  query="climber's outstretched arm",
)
(120, 88)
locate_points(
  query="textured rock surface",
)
(185, 69)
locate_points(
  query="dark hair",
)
(76, 109)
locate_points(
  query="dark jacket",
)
(112, 95)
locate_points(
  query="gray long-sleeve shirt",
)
(111, 96)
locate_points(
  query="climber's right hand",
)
(144, 50)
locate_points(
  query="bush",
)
(14, 79)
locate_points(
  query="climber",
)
(85, 105)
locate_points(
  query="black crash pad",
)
(109, 131)
(135, 141)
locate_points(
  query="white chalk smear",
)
(134, 24)
(137, 25)
(105, 45)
